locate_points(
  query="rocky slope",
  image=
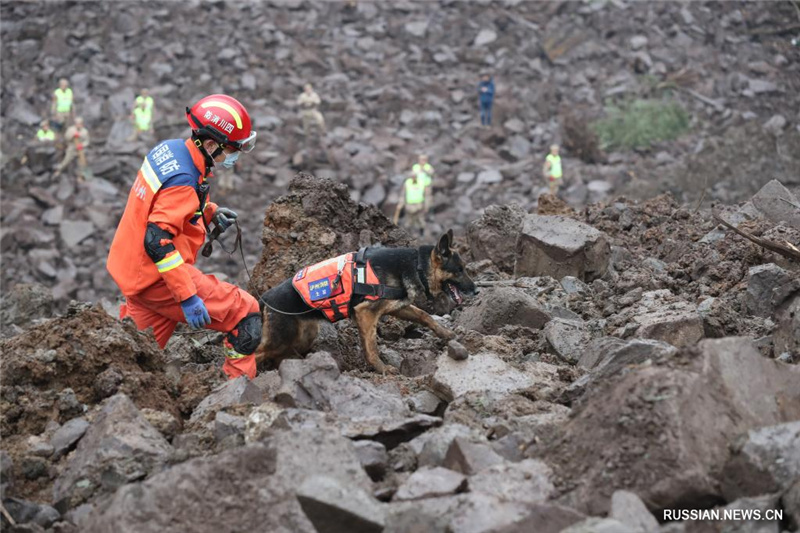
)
(627, 355)
(396, 79)
(625, 359)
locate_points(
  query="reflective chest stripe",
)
(149, 176)
(63, 100)
(423, 173)
(148, 102)
(49, 135)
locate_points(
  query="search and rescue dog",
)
(364, 286)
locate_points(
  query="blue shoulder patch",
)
(172, 164)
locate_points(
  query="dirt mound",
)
(50, 371)
(315, 221)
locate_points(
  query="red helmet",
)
(223, 119)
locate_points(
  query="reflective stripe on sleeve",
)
(150, 176)
(173, 260)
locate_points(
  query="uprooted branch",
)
(789, 251)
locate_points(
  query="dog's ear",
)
(443, 248)
(452, 239)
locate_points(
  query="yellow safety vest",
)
(423, 173)
(63, 100)
(415, 191)
(142, 118)
(48, 135)
(555, 165)
(148, 102)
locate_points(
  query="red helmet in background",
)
(224, 119)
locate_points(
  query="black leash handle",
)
(215, 233)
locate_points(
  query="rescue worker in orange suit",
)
(165, 222)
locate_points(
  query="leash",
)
(237, 243)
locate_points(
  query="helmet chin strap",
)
(208, 157)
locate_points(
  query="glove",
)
(224, 218)
(195, 312)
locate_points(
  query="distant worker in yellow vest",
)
(45, 134)
(309, 103)
(77, 137)
(142, 115)
(416, 197)
(63, 105)
(552, 169)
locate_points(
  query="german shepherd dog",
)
(291, 326)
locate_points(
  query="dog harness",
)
(331, 285)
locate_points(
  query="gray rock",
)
(456, 351)
(514, 125)
(226, 425)
(490, 176)
(567, 338)
(23, 303)
(559, 246)
(498, 307)
(629, 509)
(337, 508)
(767, 461)
(762, 86)
(483, 371)
(418, 28)
(470, 457)
(573, 285)
(119, 446)
(786, 336)
(764, 283)
(599, 525)
(771, 201)
(315, 383)
(484, 37)
(494, 235)
(526, 481)
(165, 423)
(425, 402)
(67, 436)
(431, 447)
(27, 512)
(791, 504)
(775, 125)
(699, 407)
(39, 447)
(638, 41)
(264, 477)
(73, 232)
(232, 392)
(373, 457)
(430, 482)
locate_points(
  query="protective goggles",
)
(245, 145)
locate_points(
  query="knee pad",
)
(248, 334)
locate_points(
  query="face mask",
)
(230, 160)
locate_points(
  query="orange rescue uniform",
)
(167, 192)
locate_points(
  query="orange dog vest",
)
(328, 286)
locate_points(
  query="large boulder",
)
(256, 483)
(787, 333)
(502, 306)
(485, 372)
(315, 221)
(23, 303)
(767, 461)
(775, 202)
(232, 392)
(662, 316)
(767, 288)
(119, 446)
(334, 507)
(494, 235)
(567, 338)
(663, 431)
(315, 383)
(559, 246)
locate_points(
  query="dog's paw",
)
(447, 334)
(391, 370)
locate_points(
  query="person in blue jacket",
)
(486, 94)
